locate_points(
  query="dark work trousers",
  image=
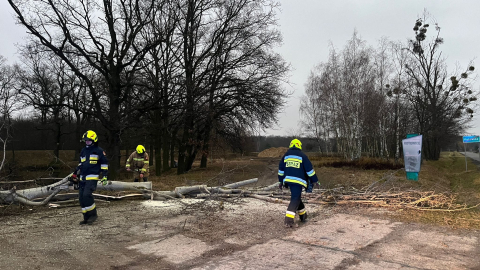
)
(296, 203)
(145, 179)
(85, 190)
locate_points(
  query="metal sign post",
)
(469, 139)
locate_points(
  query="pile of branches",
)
(369, 196)
(425, 201)
(410, 199)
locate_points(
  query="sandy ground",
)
(238, 234)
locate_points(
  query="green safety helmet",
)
(90, 136)
(140, 149)
(296, 143)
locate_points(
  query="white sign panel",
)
(412, 153)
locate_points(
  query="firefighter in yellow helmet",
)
(138, 163)
(93, 163)
(296, 172)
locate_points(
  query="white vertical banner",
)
(412, 153)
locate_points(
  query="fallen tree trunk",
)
(26, 196)
(20, 199)
(69, 196)
(179, 192)
(272, 186)
(241, 183)
(31, 194)
(9, 196)
(121, 186)
(227, 194)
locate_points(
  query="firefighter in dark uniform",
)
(138, 162)
(93, 163)
(296, 172)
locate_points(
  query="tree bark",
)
(113, 153)
(10, 196)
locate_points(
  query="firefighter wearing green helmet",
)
(295, 171)
(138, 163)
(93, 167)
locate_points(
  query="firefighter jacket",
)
(138, 163)
(295, 167)
(92, 162)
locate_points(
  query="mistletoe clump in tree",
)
(442, 103)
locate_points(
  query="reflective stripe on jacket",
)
(93, 162)
(296, 168)
(137, 162)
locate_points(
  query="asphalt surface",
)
(475, 157)
(472, 155)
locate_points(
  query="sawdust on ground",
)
(274, 152)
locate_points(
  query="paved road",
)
(474, 156)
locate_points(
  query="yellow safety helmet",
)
(296, 143)
(90, 136)
(140, 149)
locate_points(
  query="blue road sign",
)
(471, 139)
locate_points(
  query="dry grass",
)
(26, 165)
(220, 172)
(448, 176)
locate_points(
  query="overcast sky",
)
(310, 26)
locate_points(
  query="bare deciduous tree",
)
(45, 83)
(443, 104)
(8, 106)
(106, 35)
(231, 73)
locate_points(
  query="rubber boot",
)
(84, 221)
(289, 221)
(303, 218)
(289, 224)
(92, 217)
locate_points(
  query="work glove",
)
(311, 186)
(280, 186)
(104, 181)
(73, 178)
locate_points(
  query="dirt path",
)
(247, 234)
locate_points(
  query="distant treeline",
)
(30, 134)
